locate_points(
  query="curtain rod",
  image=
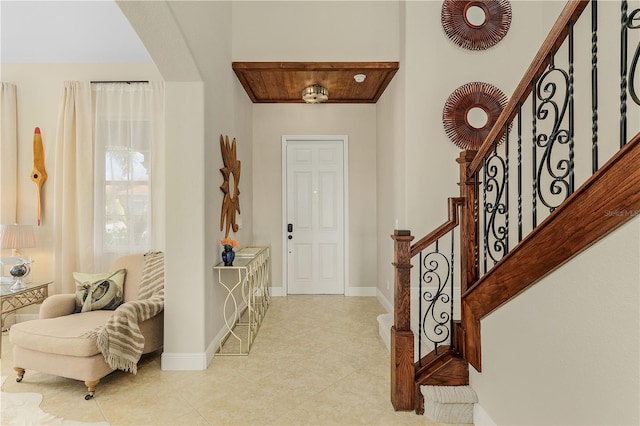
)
(127, 82)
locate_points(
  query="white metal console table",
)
(247, 299)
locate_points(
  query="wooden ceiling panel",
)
(282, 82)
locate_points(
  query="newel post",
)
(468, 337)
(468, 226)
(402, 354)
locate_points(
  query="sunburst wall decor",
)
(231, 180)
(476, 24)
(484, 98)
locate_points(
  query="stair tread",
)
(449, 394)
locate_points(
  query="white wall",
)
(270, 123)
(566, 351)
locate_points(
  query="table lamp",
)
(16, 237)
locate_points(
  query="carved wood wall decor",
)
(231, 180)
(38, 173)
(475, 97)
(476, 24)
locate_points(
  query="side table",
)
(245, 305)
(11, 301)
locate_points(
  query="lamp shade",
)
(17, 236)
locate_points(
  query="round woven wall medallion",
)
(476, 24)
(470, 113)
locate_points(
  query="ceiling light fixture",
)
(359, 78)
(315, 94)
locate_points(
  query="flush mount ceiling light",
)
(359, 78)
(315, 94)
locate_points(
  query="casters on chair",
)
(20, 372)
(91, 387)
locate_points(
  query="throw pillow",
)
(99, 291)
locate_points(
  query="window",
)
(123, 133)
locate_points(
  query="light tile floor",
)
(317, 360)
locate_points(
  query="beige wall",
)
(315, 31)
(358, 122)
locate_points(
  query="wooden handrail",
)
(442, 230)
(554, 40)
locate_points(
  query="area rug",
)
(24, 409)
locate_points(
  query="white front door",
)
(314, 215)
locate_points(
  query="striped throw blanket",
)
(120, 340)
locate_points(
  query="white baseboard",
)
(360, 291)
(480, 417)
(384, 301)
(184, 361)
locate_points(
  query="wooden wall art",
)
(476, 24)
(38, 173)
(231, 180)
(470, 113)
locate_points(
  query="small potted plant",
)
(228, 254)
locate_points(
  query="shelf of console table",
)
(245, 305)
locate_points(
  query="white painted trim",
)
(196, 361)
(480, 416)
(384, 301)
(360, 291)
(345, 193)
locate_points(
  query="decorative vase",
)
(228, 255)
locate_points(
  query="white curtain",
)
(108, 149)
(73, 186)
(128, 124)
(8, 153)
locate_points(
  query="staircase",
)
(484, 249)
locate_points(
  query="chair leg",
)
(91, 387)
(20, 372)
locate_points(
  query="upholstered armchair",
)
(65, 343)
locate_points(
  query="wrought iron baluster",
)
(484, 214)
(571, 164)
(594, 86)
(476, 224)
(633, 16)
(453, 239)
(552, 109)
(506, 189)
(420, 308)
(495, 209)
(437, 270)
(519, 172)
(534, 159)
(624, 6)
